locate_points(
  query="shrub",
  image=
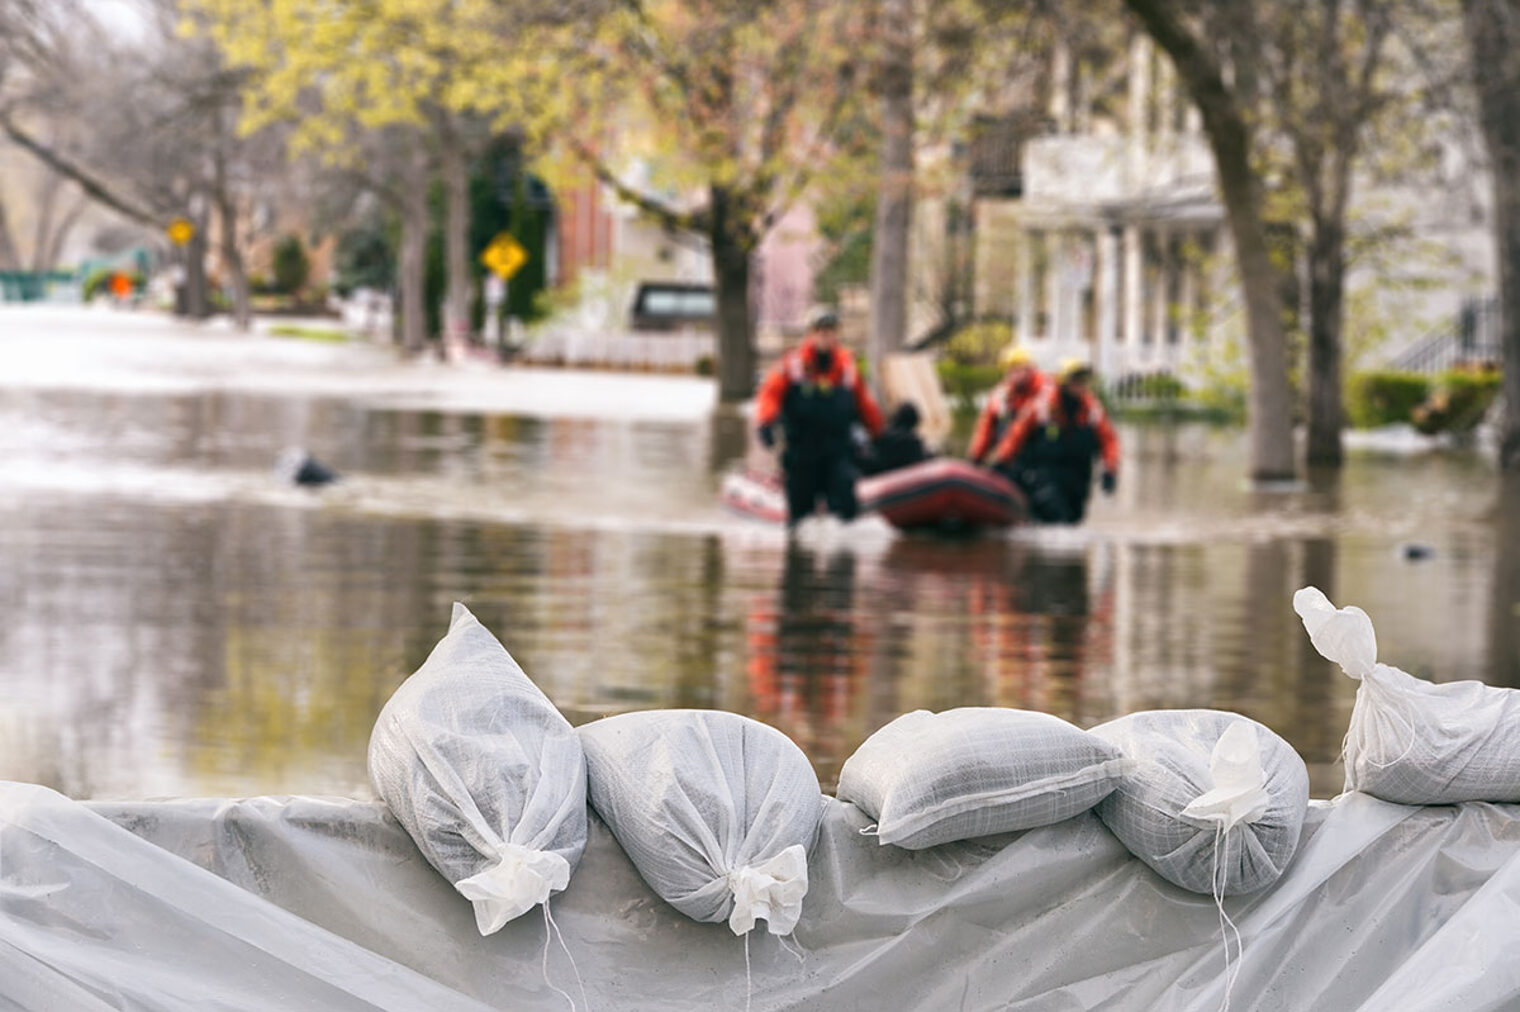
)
(1458, 402)
(290, 265)
(1384, 397)
(964, 382)
(979, 343)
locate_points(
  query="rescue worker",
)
(816, 396)
(1021, 385)
(1049, 449)
(898, 446)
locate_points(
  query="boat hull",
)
(942, 494)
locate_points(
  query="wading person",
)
(1020, 386)
(1049, 449)
(816, 396)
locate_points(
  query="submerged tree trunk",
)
(732, 247)
(456, 181)
(197, 300)
(1327, 281)
(1493, 34)
(1225, 124)
(894, 196)
(232, 258)
(8, 258)
(232, 254)
(410, 264)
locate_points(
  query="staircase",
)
(1473, 339)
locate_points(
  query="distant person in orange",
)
(815, 395)
(1022, 383)
(1049, 449)
(121, 286)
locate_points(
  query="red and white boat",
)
(942, 494)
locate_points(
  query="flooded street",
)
(179, 622)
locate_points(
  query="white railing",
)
(681, 350)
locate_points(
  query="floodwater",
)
(178, 622)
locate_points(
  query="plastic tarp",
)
(317, 903)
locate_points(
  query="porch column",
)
(1107, 298)
(1188, 297)
(1130, 323)
(1025, 297)
(1055, 305)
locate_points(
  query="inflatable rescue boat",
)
(942, 494)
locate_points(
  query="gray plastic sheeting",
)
(313, 903)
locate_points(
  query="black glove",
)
(767, 436)
(1110, 482)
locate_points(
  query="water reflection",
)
(807, 656)
(1504, 600)
(176, 624)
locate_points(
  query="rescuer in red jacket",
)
(1021, 384)
(1049, 449)
(816, 396)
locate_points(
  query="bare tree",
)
(1320, 63)
(1199, 49)
(894, 199)
(1493, 34)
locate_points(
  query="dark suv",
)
(673, 305)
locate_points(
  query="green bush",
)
(979, 344)
(1384, 397)
(1458, 401)
(964, 382)
(290, 266)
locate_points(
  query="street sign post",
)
(504, 256)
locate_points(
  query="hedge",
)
(1384, 397)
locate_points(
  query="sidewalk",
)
(75, 347)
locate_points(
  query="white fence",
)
(679, 351)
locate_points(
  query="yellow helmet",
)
(1070, 368)
(1015, 355)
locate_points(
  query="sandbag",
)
(1214, 802)
(932, 778)
(1411, 741)
(715, 810)
(484, 773)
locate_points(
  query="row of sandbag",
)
(717, 811)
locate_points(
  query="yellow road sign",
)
(505, 256)
(180, 231)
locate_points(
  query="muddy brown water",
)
(178, 622)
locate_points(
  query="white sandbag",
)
(931, 778)
(1214, 802)
(716, 811)
(484, 773)
(1411, 741)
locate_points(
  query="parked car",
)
(673, 305)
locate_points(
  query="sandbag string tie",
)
(551, 930)
(1217, 875)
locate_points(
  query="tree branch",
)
(86, 181)
(690, 221)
